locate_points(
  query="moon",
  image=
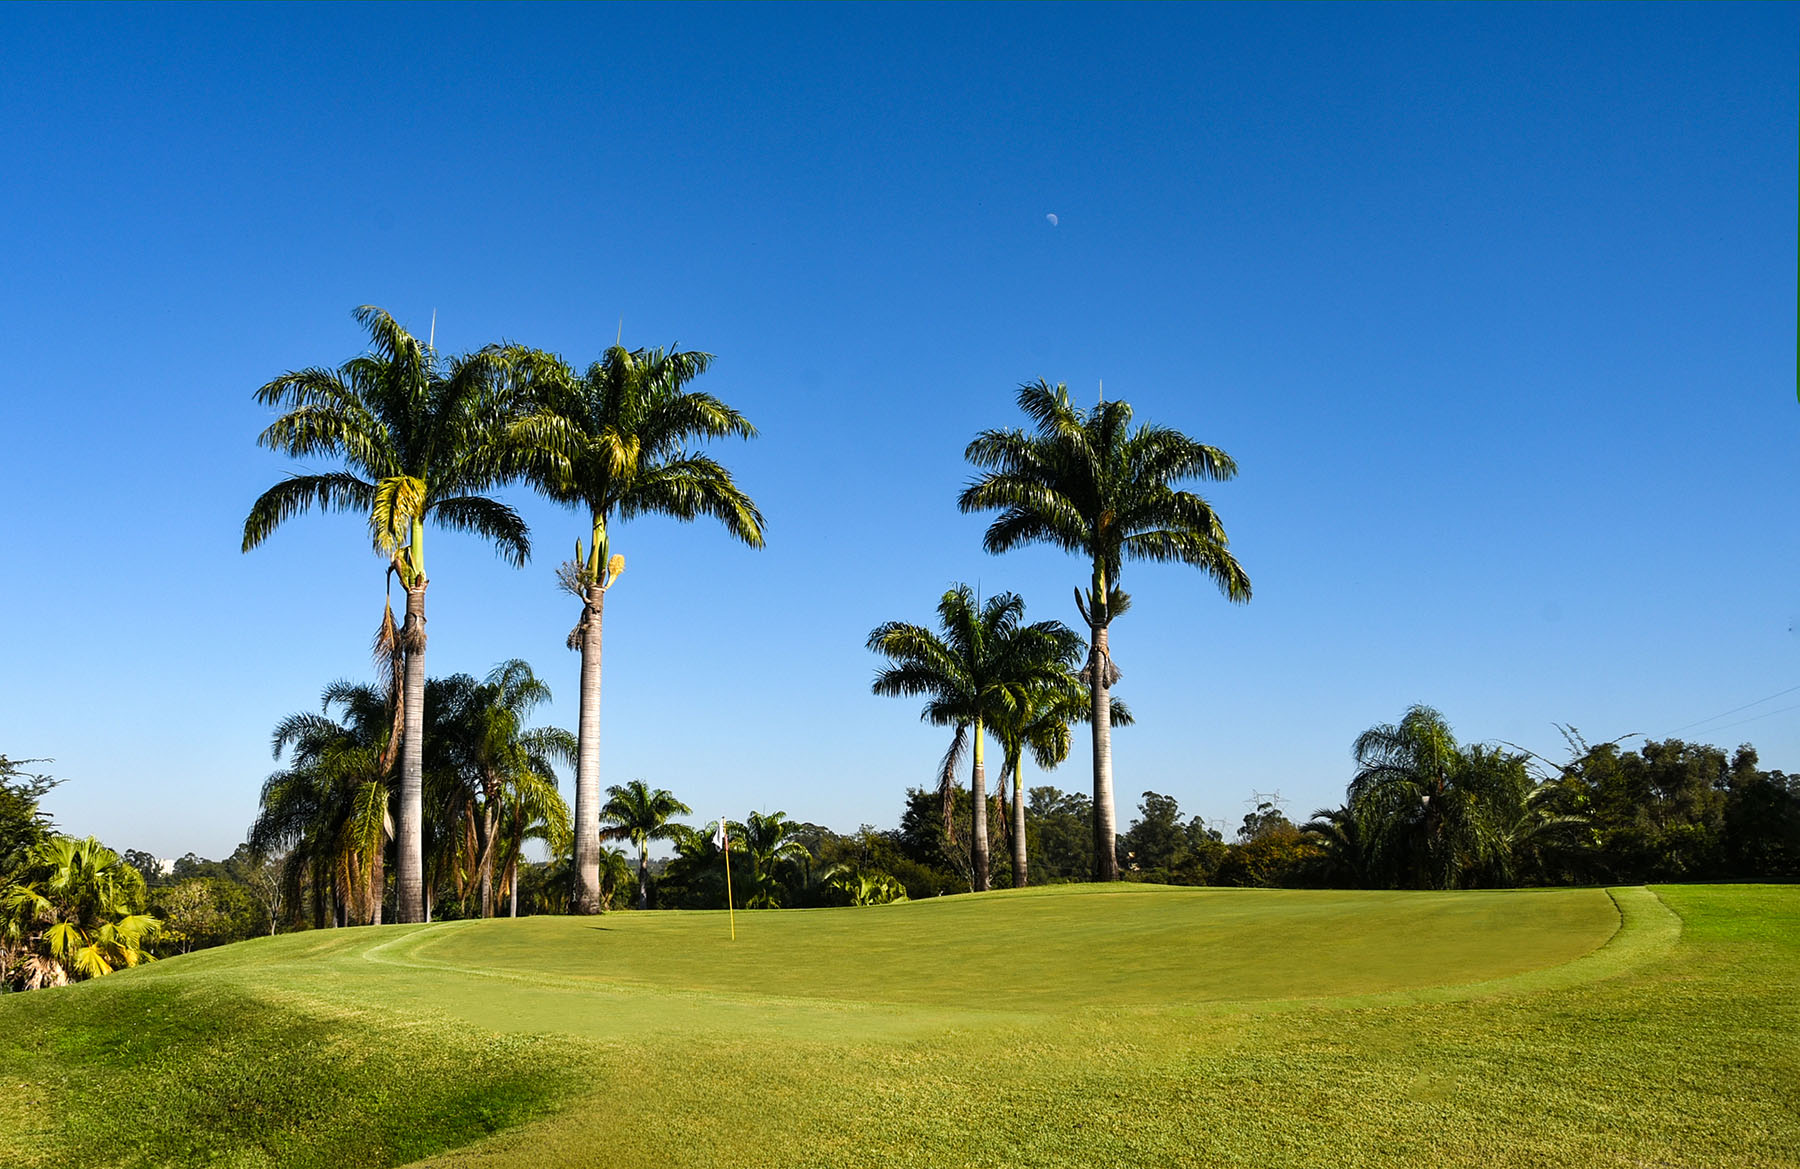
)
(1053, 220)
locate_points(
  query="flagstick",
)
(730, 910)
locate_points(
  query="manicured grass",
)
(1061, 1027)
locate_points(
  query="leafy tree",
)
(616, 443)
(1061, 823)
(978, 674)
(74, 911)
(200, 912)
(639, 814)
(1088, 482)
(1157, 839)
(421, 437)
(23, 825)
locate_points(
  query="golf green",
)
(1067, 1026)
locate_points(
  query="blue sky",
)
(1494, 306)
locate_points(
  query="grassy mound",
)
(1074, 1026)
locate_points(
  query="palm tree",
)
(420, 438)
(861, 886)
(75, 911)
(506, 769)
(328, 809)
(1437, 815)
(1087, 482)
(1040, 726)
(769, 844)
(640, 815)
(615, 442)
(974, 677)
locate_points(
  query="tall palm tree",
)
(616, 443)
(75, 911)
(503, 765)
(973, 677)
(639, 814)
(1088, 482)
(328, 810)
(421, 437)
(1040, 726)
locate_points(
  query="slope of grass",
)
(1061, 1027)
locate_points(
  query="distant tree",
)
(1157, 839)
(768, 843)
(1063, 831)
(1762, 821)
(1437, 815)
(635, 812)
(1088, 482)
(74, 911)
(23, 825)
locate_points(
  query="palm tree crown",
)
(420, 436)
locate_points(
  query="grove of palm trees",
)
(1052, 586)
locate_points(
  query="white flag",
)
(719, 836)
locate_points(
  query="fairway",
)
(1086, 1025)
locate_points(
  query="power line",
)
(1765, 714)
(1735, 709)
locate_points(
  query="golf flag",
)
(723, 840)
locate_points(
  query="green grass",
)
(1062, 1027)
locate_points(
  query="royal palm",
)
(976, 675)
(615, 443)
(420, 438)
(1087, 481)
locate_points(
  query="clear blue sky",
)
(1495, 307)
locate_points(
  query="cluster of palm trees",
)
(1089, 482)
(489, 787)
(1427, 812)
(422, 438)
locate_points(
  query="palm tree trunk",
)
(587, 763)
(378, 883)
(1106, 834)
(512, 884)
(1018, 822)
(978, 847)
(409, 878)
(487, 827)
(643, 901)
